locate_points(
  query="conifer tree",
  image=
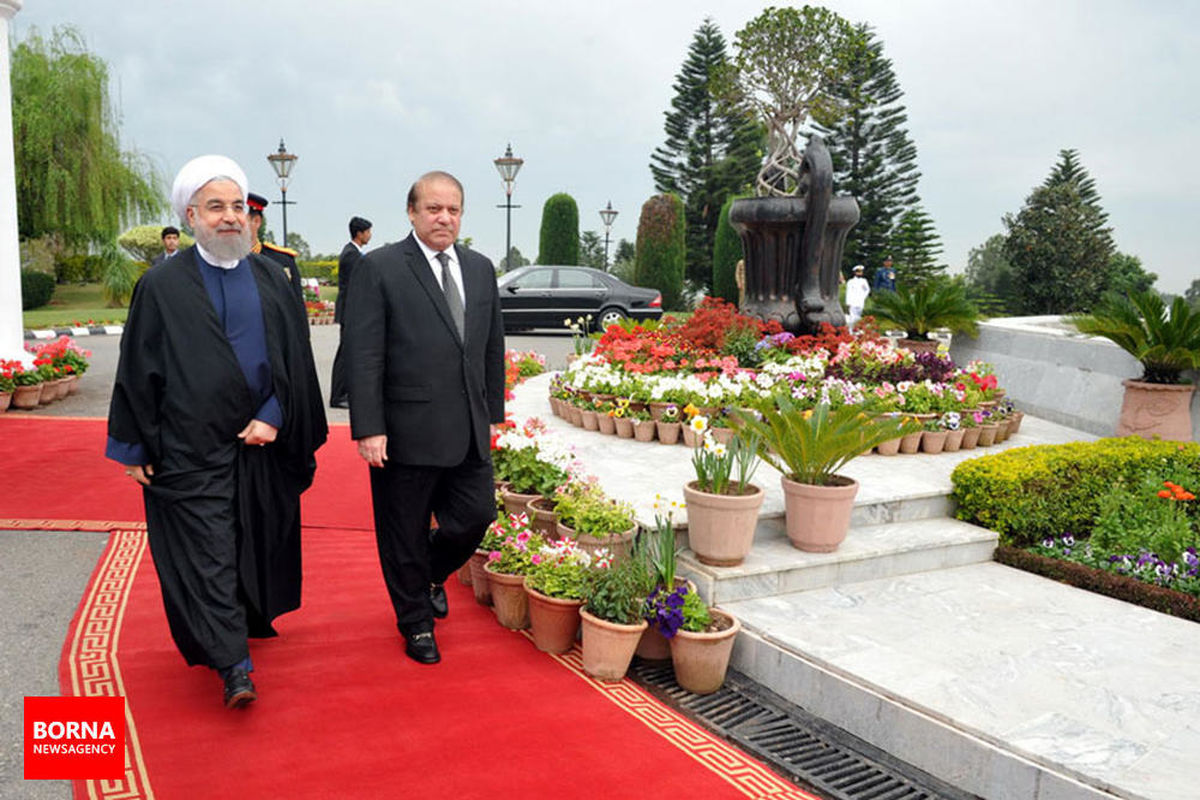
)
(709, 153)
(874, 160)
(915, 246)
(1070, 170)
(558, 242)
(661, 249)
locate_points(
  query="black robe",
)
(223, 519)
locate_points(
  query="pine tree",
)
(915, 246)
(709, 154)
(874, 160)
(1069, 170)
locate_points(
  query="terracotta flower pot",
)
(668, 432)
(723, 435)
(1014, 427)
(624, 427)
(464, 574)
(701, 659)
(618, 544)
(911, 442)
(606, 424)
(721, 526)
(575, 415)
(657, 409)
(509, 600)
(987, 434)
(72, 384)
(516, 502)
(543, 517)
(5, 400)
(27, 397)
(479, 578)
(970, 438)
(590, 423)
(1001, 430)
(607, 646)
(954, 440)
(888, 448)
(643, 430)
(553, 621)
(934, 442)
(818, 517)
(918, 345)
(49, 393)
(653, 646)
(690, 437)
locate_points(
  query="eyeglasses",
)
(218, 208)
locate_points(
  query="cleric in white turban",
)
(216, 412)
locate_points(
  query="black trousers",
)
(463, 500)
(339, 388)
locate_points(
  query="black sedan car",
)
(542, 296)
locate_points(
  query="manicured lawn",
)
(73, 304)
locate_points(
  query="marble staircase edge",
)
(967, 758)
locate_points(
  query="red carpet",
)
(342, 713)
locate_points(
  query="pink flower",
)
(536, 558)
(494, 555)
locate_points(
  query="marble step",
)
(775, 567)
(1004, 684)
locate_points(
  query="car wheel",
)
(608, 316)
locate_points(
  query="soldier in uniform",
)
(283, 256)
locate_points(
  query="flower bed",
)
(1111, 516)
(718, 360)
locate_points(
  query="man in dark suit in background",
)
(426, 383)
(170, 240)
(360, 236)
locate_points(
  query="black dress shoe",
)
(422, 647)
(239, 689)
(438, 600)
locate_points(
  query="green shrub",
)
(559, 239)
(661, 249)
(36, 289)
(727, 251)
(1032, 492)
(79, 268)
(323, 271)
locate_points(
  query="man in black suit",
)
(170, 240)
(360, 236)
(426, 385)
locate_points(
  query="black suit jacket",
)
(346, 261)
(411, 377)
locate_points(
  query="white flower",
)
(699, 424)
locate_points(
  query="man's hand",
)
(258, 432)
(373, 449)
(139, 473)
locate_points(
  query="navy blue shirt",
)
(234, 295)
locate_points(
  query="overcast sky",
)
(371, 93)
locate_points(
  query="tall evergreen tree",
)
(874, 160)
(1060, 251)
(915, 247)
(73, 179)
(709, 154)
(1070, 170)
(558, 242)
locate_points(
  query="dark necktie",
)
(453, 299)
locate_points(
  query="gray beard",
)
(223, 248)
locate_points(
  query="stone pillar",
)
(12, 331)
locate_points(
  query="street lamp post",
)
(282, 162)
(508, 166)
(607, 214)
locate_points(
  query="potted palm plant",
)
(722, 504)
(809, 446)
(921, 309)
(1166, 342)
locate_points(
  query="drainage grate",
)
(811, 752)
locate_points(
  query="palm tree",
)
(1165, 343)
(925, 307)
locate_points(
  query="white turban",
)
(199, 171)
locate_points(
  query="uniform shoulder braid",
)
(286, 250)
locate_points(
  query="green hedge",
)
(1031, 492)
(323, 271)
(727, 251)
(36, 289)
(79, 268)
(662, 249)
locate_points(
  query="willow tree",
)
(74, 182)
